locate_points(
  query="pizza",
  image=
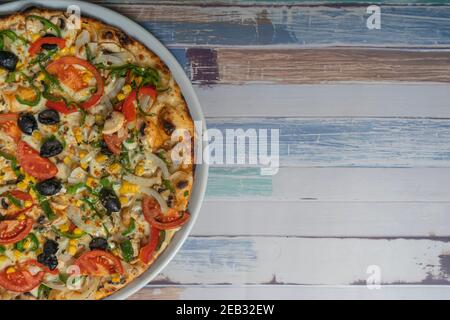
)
(96, 161)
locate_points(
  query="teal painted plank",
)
(295, 25)
(237, 182)
(353, 142)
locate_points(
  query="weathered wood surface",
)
(364, 149)
(363, 118)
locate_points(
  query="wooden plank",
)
(290, 292)
(323, 219)
(266, 2)
(348, 142)
(338, 184)
(331, 100)
(295, 25)
(309, 66)
(309, 261)
(331, 65)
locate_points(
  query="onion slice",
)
(82, 39)
(160, 164)
(143, 182)
(74, 215)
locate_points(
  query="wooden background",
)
(365, 147)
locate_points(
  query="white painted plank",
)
(291, 292)
(310, 261)
(323, 219)
(356, 184)
(342, 100)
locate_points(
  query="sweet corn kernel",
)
(139, 171)
(40, 77)
(128, 187)
(33, 194)
(72, 250)
(101, 158)
(114, 168)
(10, 270)
(67, 160)
(19, 65)
(72, 242)
(27, 244)
(21, 217)
(115, 279)
(123, 200)
(90, 182)
(77, 231)
(28, 204)
(84, 166)
(72, 50)
(65, 51)
(79, 203)
(35, 36)
(37, 135)
(121, 96)
(98, 118)
(64, 228)
(127, 89)
(22, 185)
(78, 135)
(82, 153)
(18, 254)
(87, 77)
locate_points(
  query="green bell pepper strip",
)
(75, 188)
(18, 203)
(12, 36)
(20, 246)
(44, 204)
(162, 237)
(130, 228)
(127, 250)
(47, 24)
(68, 234)
(43, 291)
(2, 249)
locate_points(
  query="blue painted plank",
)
(298, 25)
(347, 142)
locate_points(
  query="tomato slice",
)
(169, 220)
(13, 211)
(22, 279)
(146, 252)
(69, 75)
(99, 263)
(8, 123)
(60, 106)
(33, 164)
(114, 143)
(12, 231)
(128, 108)
(70, 60)
(36, 46)
(35, 263)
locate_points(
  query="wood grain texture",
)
(331, 65)
(311, 261)
(295, 25)
(349, 142)
(323, 219)
(331, 100)
(290, 292)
